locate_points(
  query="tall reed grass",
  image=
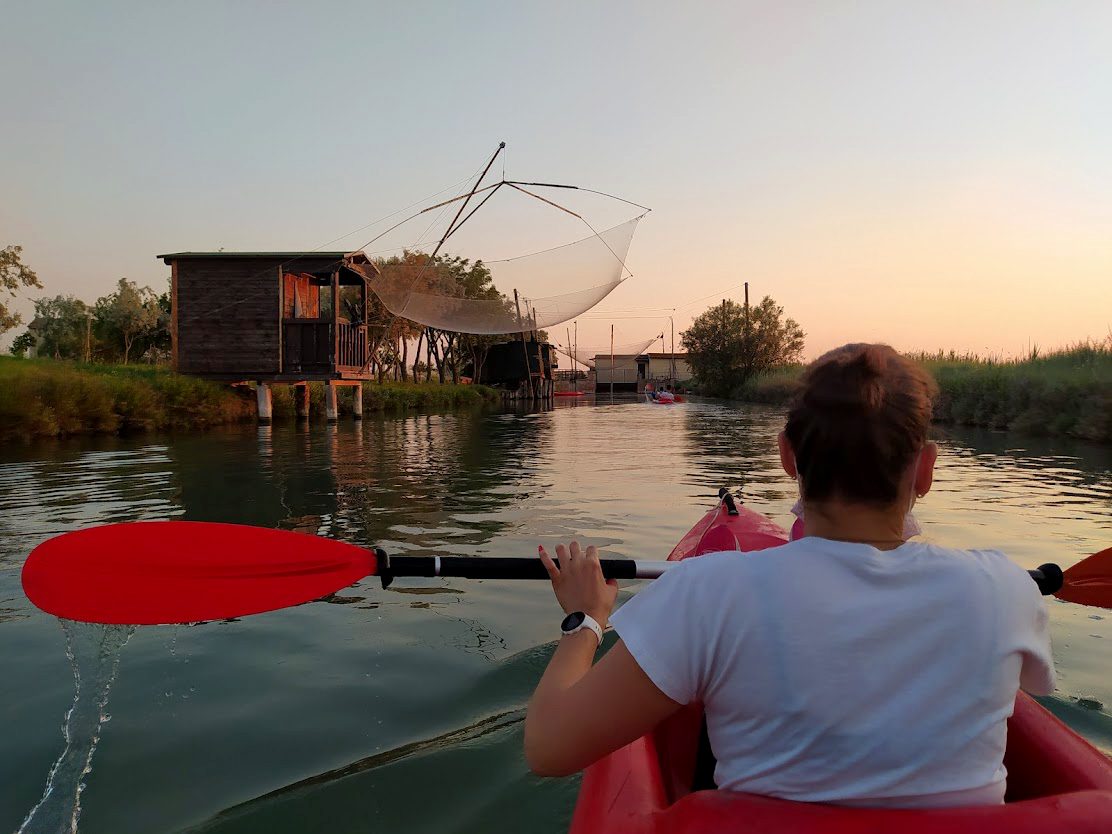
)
(48, 398)
(1062, 392)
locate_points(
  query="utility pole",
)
(611, 361)
(746, 308)
(88, 337)
(673, 363)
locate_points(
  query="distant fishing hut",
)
(631, 372)
(275, 318)
(524, 369)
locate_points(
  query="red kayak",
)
(1057, 781)
(569, 394)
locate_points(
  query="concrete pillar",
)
(330, 413)
(301, 397)
(266, 403)
(357, 401)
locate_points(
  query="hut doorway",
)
(324, 322)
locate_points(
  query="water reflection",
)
(73, 487)
(737, 449)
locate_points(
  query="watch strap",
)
(589, 623)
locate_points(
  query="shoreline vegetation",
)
(52, 398)
(1063, 393)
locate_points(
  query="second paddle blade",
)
(1089, 582)
(154, 572)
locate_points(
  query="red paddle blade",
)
(1089, 582)
(152, 572)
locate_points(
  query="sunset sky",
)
(930, 174)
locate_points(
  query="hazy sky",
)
(931, 174)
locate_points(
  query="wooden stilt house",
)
(270, 316)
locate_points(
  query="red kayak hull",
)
(1056, 779)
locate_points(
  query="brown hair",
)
(859, 421)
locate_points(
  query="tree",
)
(450, 277)
(156, 343)
(728, 345)
(60, 328)
(13, 275)
(22, 343)
(127, 316)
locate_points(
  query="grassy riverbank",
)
(47, 398)
(1067, 392)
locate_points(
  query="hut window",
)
(300, 297)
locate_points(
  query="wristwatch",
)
(577, 621)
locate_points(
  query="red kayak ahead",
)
(1057, 781)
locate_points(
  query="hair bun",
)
(862, 414)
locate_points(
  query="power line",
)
(667, 310)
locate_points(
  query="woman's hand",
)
(578, 582)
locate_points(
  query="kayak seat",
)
(705, 762)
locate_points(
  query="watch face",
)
(572, 621)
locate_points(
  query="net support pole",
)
(478, 182)
(524, 347)
(451, 226)
(542, 379)
(575, 357)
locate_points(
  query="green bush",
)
(47, 398)
(1067, 392)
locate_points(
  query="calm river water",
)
(401, 709)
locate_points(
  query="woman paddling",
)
(849, 666)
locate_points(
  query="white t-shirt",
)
(836, 672)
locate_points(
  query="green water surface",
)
(400, 710)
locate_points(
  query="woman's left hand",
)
(578, 581)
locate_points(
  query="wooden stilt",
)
(330, 412)
(301, 395)
(357, 401)
(265, 401)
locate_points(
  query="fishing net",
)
(417, 291)
(486, 296)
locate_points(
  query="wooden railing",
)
(351, 348)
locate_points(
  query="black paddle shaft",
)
(495, 567)
(1048, 577)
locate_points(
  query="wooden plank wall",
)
(229, 315)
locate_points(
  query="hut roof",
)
(181, 256)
